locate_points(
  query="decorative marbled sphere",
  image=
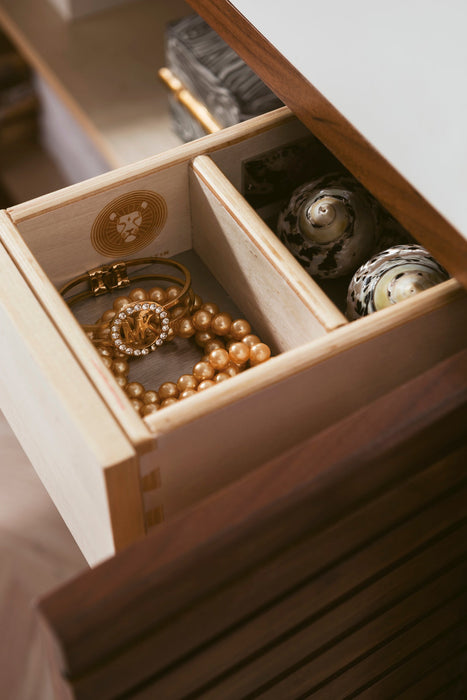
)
(391, 276)
(330, 225)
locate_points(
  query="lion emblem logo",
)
(129, 223)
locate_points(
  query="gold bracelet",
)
(111, 278)
(141, 325)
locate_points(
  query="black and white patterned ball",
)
(331, 225)
(391, 276)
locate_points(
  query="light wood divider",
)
(264, 272)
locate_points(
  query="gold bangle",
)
(110, 278)
(140, 326)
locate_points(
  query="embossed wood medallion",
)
(128, 223)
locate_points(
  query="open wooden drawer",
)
(113, 475)
(314, 534)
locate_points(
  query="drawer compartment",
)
(323, 367)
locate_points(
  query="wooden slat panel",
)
(267, 643)
(338, 592)
(400, 679)
(328, 584)
(452, 691)
(294, 668)
(445, 680)
(253, 522)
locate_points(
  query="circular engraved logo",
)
(129, 223)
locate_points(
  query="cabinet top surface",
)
(103, 68)
(396, 72)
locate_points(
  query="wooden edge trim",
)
(128, 173)
(254, 519)
(285, 365)
(339, 136)
(268, 244)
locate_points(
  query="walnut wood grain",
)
(433, 653)
(382, 487)
(343, 140)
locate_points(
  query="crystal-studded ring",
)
(140, 328)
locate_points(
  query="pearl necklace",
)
(228, 346)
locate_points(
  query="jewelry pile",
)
(142, 321)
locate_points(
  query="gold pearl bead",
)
(108, 362)
(137, 404)
(197, 302)
(214, 345)
(120, 367)
(105, 352)
(221, 323)
(121, 380)
(168, 402)
(239, 353)
(259, 353)
(202, 320)
(239, 329)
(138, 294)
(135, 390)
(211, 308)
(184, 328)
(150, 396)
(120, 303)
(108, 316)
(168, 390)
(219, 358)
(187, 381)
(157, 294)
(187, 393)
(149, 408)
(221, 377)
(232, 370)
(177, 312)
(172, 292)
(203, 370)
(205, 384)
(251, 340)
(203, 337)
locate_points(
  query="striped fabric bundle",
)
(215, 75)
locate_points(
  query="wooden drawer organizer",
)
(112, 475)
